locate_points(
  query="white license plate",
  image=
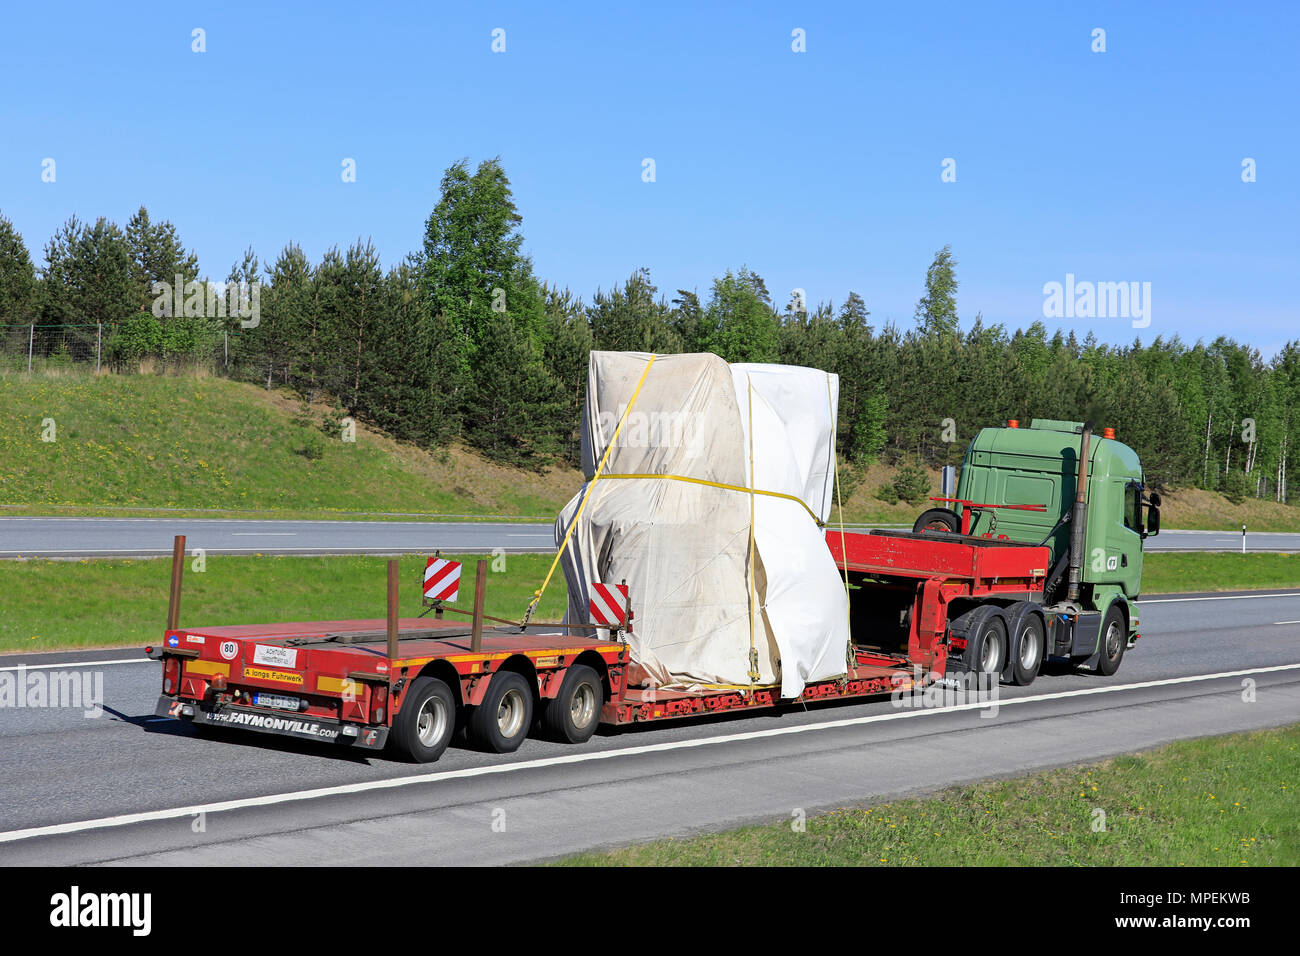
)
(276, 700)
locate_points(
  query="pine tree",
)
(18, 287)
(87, 282)
(157, 256)
(630, 320)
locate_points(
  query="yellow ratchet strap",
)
(537, 595)
(722, 484)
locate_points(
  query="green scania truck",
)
(1057, 484)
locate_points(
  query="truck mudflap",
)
(285, 725)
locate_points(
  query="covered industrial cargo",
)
(708, 488)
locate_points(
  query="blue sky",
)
(819, 170)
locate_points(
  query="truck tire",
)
(1114, 637)
(501, 723)
(423, 727)
(1030, 646)
(937, 519)
(575, 713)
(986, 650)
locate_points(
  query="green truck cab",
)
(1095, 539)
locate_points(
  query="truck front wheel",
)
(501, 723)
(424, 725)
(1114, 637)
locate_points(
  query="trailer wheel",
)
(1113, 640)
(502, 721)
(1029, 650)
(987, 651)
(575, 713)
(424, 725)
(937, 519)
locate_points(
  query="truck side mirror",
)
(1153, 517)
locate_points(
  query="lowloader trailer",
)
(939, 603)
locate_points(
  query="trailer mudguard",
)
(967, 627)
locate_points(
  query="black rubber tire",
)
(993, 629)
(937, 519)
(1114, 638)
(501, 723)
(424, 744)
(582, 690)
(1031, 629)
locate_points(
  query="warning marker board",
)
(609, 605)
(441, 580)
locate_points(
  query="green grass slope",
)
(128, 444)
(194, 443)
(1223, 801)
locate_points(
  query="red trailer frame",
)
(348, 678)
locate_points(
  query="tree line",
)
(462, 341)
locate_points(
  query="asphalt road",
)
(125, 787)
(142, 537)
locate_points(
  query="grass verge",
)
(1221, 801)
(1166, 572)
(57, 605)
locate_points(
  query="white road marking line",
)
(1224, 597)
(264, 534)
(391, 783)
(1276, 623)
(75, 664)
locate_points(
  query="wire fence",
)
(37, 348)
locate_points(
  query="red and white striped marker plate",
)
(441, 579)
(609, 605)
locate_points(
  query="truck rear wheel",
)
(502, 721)
(937, 519)
(987, 650)
(424, 725)
(1029, 650)
(1114, 637)
(575, 713)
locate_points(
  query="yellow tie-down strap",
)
(721, 484)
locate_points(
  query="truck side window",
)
(1133, 507)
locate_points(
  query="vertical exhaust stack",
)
(1079, 516)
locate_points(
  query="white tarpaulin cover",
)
(683, 547)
